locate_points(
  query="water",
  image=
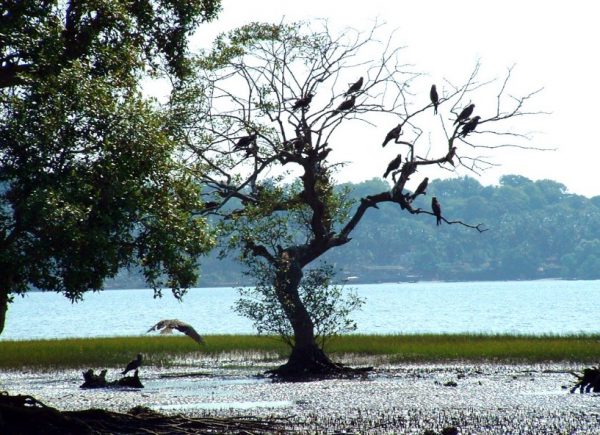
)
(526, 307)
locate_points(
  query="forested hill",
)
(535, 230)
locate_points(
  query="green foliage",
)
(88, 182)
(550, 234)
(328, 305)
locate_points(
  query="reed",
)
(115, 351)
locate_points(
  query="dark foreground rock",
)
(92, 380)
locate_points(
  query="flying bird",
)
(437, 210)
(470, 126)
(345, 105)
(434, 98)
(302, 103)
(464, 115)
(421, 189)
(394, 164)
(394, 133)
(355, 87)
(168, 325)
(133, 364)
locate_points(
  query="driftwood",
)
(26, 415)
(92, 380)
(588, 381)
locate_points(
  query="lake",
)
(524, 307)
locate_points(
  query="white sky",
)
(554, 45)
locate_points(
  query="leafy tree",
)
(271, 105)
(329, 309)
(88, 183)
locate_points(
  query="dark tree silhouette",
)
(279, 205)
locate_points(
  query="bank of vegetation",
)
(162, 351)
(536, 230)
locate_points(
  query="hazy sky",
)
(553, 44)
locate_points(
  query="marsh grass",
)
(116, 351)
(472, 347)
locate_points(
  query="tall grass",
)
(472, 347)
(115, 351)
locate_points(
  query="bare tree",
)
(270, 104)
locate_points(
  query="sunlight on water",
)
(527, 307)
(223, 405)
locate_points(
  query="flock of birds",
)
(466, 123)
(463, 120)
(166, 327)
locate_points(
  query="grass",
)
(115, 351)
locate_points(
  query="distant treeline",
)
(535, 230)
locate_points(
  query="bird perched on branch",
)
(168, 325)
(133, 364)
(394, 164)
(302, 103)
(421, 189)
(245, 141)
(394, 133)
(464, 115)
(470, 126)
(354, 87)
(437, 210)
(345, 105)
(434, 98)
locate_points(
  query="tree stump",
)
(588, 381)
(91, 380)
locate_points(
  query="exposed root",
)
(589, 380)
(27, 415)
(312, 365)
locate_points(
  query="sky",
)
(552, 45)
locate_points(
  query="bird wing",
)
(160, 325)
(190, 332)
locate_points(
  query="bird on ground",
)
(434, 98)
(345, 105)
(354, 87)
(133, 364)
(168, 325)
(437, 210)
(302, 103)
(244, 141)
(394, 164)
(450, 155)
(421, 189)
(464, 115)
(470, 126)
(394, 133)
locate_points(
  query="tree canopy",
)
(265, 117)
(88, 179)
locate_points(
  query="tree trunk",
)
(3, 307)
(307, 359)
(5, 287)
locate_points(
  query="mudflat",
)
(482, 398)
